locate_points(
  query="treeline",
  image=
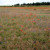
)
(32, 4)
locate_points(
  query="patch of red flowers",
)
(30, 13)
(12, 19)
(33, 21)
(21, 30)
(22, 26)
(38, 19)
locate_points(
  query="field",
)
(24, 28)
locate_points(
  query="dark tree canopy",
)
(33, 4)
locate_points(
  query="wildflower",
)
(30, 13)
(22, 26)
(4, 38)
(28, 19)
(48, 28)
(21, 30)
(35, 16)
(33, 21)
(9, 38)
(8, 17)
(12, 19)
(38, 19)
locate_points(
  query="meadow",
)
(24, 28)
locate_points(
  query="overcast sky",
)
(12, 2)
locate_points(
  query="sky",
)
(12, 2)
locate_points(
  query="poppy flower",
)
(12, 19)
(38, 19)
(28, 19)
(22, 26)
(21, 30)
(8, 17)
(33, 21)
(30, 13)
(35, 16)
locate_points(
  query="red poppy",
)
(8, 17)
(12, 19)
(28, 19)
(30, 13)
(33, 21)
(48, 28)
(21, 30)
(35, 16)
(38, 19)
(22, 26)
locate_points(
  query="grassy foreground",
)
(24, 29)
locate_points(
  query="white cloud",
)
(33, 1)
(11, 2)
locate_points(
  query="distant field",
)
(24, 28)
(32, 7)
